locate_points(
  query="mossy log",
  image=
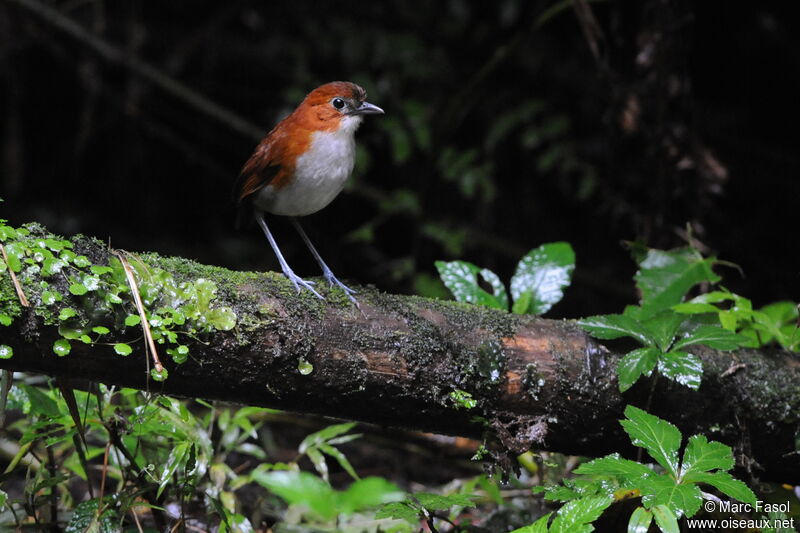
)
(536, 383)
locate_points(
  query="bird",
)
(302, 165)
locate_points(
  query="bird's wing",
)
(260, 169)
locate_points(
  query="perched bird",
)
(303, 163)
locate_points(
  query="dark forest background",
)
(508, 124)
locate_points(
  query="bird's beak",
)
(367, 109)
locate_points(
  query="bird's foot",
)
(298, 282)
(328, 275)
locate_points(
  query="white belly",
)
(320, 175)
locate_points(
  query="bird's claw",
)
(298, 282)
(347, 290)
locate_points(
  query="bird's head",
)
(335, 106)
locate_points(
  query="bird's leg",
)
(326, 271)
(287, 271)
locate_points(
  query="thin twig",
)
(20, 294)
(114, 54)
(149, 342)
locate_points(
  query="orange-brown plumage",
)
(273, 161)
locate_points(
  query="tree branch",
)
(538, 383)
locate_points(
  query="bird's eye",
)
(338, 103)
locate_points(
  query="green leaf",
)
(725, 483)
(123, 348)
(540, 526)
(399, 511)
(523, 303)
(616, 326)
(461, 278)
(437, 502)
(78, 289)
(702, 456)
(177, 457)
(544, 273)
(339, 457)
(133, 320)
(685, 368)
(575, 516)
(85, 518)
(6, 352)
(324, 435)
(368, 492)
(161, 375)
(713, 337)
(665, 519)
(222, 318)
(663, 490)
(660, 438)
(662, 327)
(614, 466)
(318, 460)
(5, 320)
(67, 313)
(665, 277)
(61, 347)
(300, 488)
(634, 364)
(41, 403)
(640, 520)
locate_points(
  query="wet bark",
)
(538, 383)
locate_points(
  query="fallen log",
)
(518, 382)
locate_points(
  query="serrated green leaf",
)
(123, 348)
(61, 347)
(614, 466)
(5, 320)
(438, 502)
(702, 456)
(399, 511)
(85, 518)
(635, 364)
(660, 438)
(461, 278)
(540, 526)
(713, 337)
(640, 520)
(544, 272)
(725, 483)
(683, 367)
(663, 326)
(664, 277)
(614, 327)
(560, 493)
(665, 519)
(133, 320)
(575, 516)
(663, 490)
